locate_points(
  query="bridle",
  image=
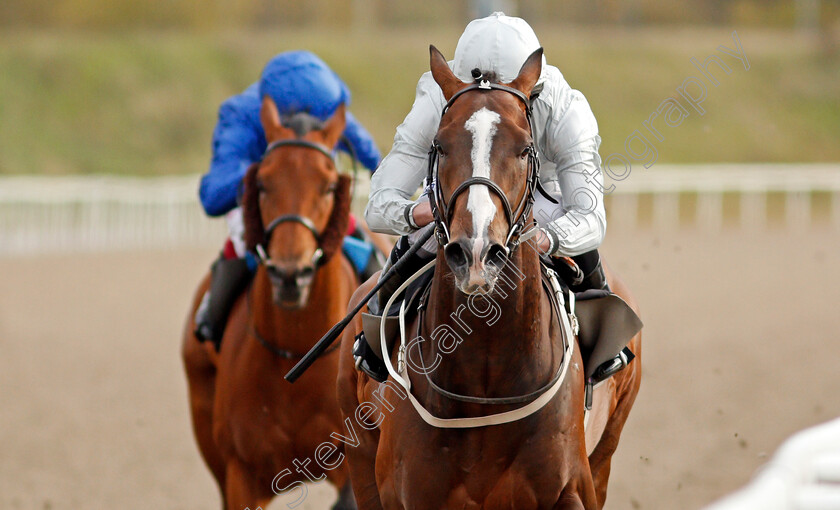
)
(516, 218)
(326, 246)
(318, 256)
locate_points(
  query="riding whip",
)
(336, 330)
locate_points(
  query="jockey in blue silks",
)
(298, 82)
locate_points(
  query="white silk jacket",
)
(565, 134)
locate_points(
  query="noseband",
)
(441, 209)
(318, 256)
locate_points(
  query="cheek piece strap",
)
(516, 218)
(318, 256)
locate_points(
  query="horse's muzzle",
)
(290, 286)
(475, 276)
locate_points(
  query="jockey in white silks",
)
(566, 139)
(572, 220)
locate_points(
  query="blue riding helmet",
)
(297, 81)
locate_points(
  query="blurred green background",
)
(102, 86)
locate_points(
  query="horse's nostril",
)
(496, 255)
(457, 256)
(275, 272)
(284, 276)
(306, 272)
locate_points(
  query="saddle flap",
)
(412, 297)
(370, 325)
(607, 324)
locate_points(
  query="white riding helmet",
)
(497, 43)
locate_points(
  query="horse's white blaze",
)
(482, 125)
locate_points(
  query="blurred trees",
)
(108, 14)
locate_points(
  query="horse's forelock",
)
(491, 76)
(302, 123)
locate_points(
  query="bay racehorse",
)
(468, 434)
(256, 432)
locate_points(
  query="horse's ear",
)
(529, 73)
(270, 118)
(334, 127)
(443, 75)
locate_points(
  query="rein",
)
(521, 399)
(273, 349)
(402, 376)
(516, 218)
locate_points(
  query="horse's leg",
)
(201, 382)
(361, 459)
(241, 491)
(578, 495)
(627, 387)
(570, 502)
(201, 379)
(346, 499)
(340, 479)
(362, 464)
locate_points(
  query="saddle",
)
(606, 324)
(362, 255)
(368, 346)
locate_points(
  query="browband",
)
(299, 143)
(486, 85)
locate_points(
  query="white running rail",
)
(810, 195)
(92, 213)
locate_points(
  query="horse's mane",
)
(251, 216)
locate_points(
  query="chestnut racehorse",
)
(513, 350)
(250, 424)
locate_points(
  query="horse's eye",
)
(331, 187)
(440, 150)
(260, 186)
(525, 152)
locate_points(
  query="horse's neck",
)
(285, 328)
(506, 346)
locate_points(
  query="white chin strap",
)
(401, 375)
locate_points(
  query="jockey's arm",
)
(237, 142)
(571, 142)
(401, 172)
